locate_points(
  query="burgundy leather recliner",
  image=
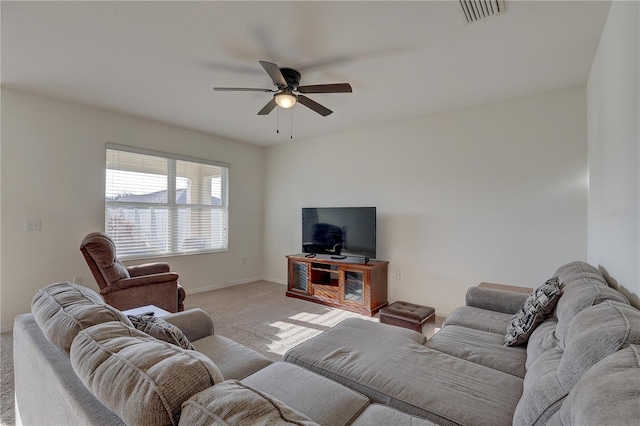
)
(134, 286)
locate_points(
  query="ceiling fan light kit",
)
(286, 99)
(287, 81)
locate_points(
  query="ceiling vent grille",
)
(476, 10)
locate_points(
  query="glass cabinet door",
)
(299, 276)
(353, 286)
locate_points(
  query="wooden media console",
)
(357, 287)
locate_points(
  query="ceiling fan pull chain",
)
(278, 120)
(291, 131)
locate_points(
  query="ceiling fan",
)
(287, 81)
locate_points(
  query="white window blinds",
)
(159, 204)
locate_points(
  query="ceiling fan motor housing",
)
(292, 77)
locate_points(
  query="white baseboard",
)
(222, 285)
(275, 280)
(6, 328)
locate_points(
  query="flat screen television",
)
(339, 231)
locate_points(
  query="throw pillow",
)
(161, 330)
(535, 308)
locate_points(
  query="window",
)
(159, 204)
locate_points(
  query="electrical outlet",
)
(398, 275)
(244, 260)
(32, 225)
(77, 280)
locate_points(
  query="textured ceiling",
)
(160, 60)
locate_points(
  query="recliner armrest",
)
(194, 323)
(143, 280)
(148, 269)
(508, 302)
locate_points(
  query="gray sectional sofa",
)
(79, 361)
(580, 366)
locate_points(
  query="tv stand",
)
(356, 287)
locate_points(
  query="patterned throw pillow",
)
(532, 313)
(161, 330)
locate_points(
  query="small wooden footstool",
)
(408, 315)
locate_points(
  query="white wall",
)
(613, 94)
(493, 193)
(53, 168)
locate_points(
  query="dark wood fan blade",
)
(241, 89)
(323, 111)
(326, 88)
(268, 107)
(274, 72)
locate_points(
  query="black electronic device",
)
(339, 231)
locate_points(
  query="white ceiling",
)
(160, 60)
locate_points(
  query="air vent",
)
(477, 10)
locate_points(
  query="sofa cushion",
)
(235, 403)
(479, 319)
(542, 394)
(234, 360)
(541, 340)
(323, 400)
(391, 368)
(607, 394)
(63, 309)
(492, 299)
(377, 414)
(595, 333)
(194, 323)
(142, 379)
(481, 347)
(578, 271)
(537, 306)
(160, 329)
(582, 286)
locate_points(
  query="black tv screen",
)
(339, 231)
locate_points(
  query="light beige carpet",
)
(257, 315)
(261, 317)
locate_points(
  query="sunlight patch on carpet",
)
(302, 326)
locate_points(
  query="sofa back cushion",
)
(577, 271)
(595, 333)
(63, 309)
(607, 394)
(235, 403)
(542, 393)
(582, 286)
(541, 340)
(141, 379)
